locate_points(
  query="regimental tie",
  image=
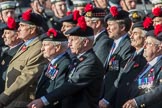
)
(109, 56)
(111, 51)
(51, 71)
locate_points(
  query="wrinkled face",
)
(157, 20)
(9, 37)
(75, 44)
(131, 4)
(66, 26)
(24, 31)
(137, 38)
(59, 9)
(101, 3)
(113, 29)
(151, 48)
(48, 49)
(7, 13)
(90, 22)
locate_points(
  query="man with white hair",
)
(54, 49)
(82, 88)
(150, 77)
(134, 65)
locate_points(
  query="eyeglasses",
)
(150, 44)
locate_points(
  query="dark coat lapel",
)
(43, 78)
(13, 51)
(100, 36)
(19, 52)
(121, 44)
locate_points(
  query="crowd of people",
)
(86, 54)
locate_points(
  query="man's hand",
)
(36, 104)
(103, 104)
(130, 104)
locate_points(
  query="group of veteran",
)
(89, 57)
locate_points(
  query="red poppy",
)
(147, 22)
(24, 48)
(81, 23)
(157, 11)
(114, 11)
(52, 31)
(112, 59)
(88, 8)
(26, 15)
(158, 29)
(11, 23)
(136, 65)
(76, 15)
(152, 70)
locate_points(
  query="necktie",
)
(111, 51)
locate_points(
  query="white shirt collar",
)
(118, 41)
(155, 60)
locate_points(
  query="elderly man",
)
(26, 66)
(54, 49)
(102, 43)
(7, 9)
(118, 25)
(150, 77)
(82, 89)
(133, 66)
(10, 37)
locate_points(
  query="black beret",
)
(81, 30)
(31, 18)
(77, 31)
(54, 35)
(141, 26)
(116, 14)
(71, 18)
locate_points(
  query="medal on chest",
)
(52, 72)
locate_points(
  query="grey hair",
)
(63, 44)
(143, 34)
(91, 38)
